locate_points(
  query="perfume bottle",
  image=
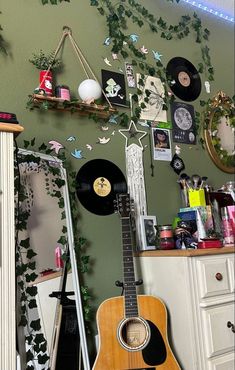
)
(228, 235)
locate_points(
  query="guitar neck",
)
(130, 295)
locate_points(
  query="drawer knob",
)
(230, 325)
(219, 276)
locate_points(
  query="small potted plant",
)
(46, 63)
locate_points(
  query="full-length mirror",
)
(44, 233)
(219, 132)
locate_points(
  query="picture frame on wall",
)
(148, 232)
(113, 84)
(161, 139)
(154, 108)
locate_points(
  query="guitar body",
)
(139, 343)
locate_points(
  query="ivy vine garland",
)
(117, 15)
(3, 44)
(221, 106)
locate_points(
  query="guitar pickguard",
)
(155, 352)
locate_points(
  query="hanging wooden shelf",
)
(101, 111)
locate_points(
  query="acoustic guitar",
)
(132, 328)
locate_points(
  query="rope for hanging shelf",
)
(84, 63)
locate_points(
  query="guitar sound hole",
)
(134, 333)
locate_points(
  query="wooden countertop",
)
(185, 252)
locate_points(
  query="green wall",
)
(28, 27)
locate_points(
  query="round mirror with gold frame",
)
(219, 132)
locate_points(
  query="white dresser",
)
(198, 290)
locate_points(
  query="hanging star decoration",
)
(157, 55)
(133, 132)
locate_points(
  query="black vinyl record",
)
(97, 184)
(183, 79)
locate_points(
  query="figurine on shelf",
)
(184, 237)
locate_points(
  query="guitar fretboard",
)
(131, 307)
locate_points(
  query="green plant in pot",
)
(46, 63)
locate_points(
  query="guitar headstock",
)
(123, 205)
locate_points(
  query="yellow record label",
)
(102, 186)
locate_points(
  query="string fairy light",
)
(210, 10)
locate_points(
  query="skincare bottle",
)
(228, 236)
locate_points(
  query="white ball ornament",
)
(89, 89)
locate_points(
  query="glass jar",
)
(166, 239)
(62, 91)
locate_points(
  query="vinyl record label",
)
(97, 184)
(102, 186)
(183, 79)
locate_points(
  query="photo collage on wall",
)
(184, 82)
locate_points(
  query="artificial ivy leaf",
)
(35, 325)
(61, 203)
(39, 338)
(151, 71)
(64, 230)
(124, 54)
(59, 182)
(26, 144)
(23, 321)
(25, 243)
(128, 13)
(21, 284)
(20, 269)
(23, 309)
(32, 303)
(200, 68)
(30, 254)
(42, 147)
(30, 367)
(31, 290)
(32, 265)
(62, 240)
(202, 103)
(32, 142)
(56, 194)
(29, 355)
(29, 339)
(42, 359)
(43, 347)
